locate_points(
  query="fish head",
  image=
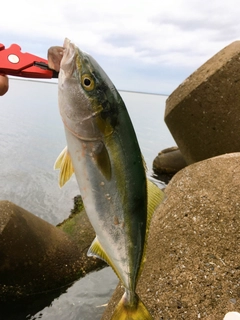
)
(88, 101)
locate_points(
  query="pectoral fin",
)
(102, 160)
(64, 164)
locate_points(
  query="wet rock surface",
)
(192, 269)
(203, 113)
(169, 161)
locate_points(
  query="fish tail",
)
(131, 311)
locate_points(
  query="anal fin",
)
(97, 250)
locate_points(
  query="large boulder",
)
(192, 269)
(203, 113)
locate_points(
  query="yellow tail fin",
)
(136, 311)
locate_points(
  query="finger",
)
(55, 55)
(3, 84)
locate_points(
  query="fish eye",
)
(87, 82)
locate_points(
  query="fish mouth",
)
(68, 46)
(68, 62)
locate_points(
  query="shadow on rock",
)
(38, 261)
(27, 307)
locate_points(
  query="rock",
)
(203, 113)
(169, 161)
(37, 257)
(192, 267)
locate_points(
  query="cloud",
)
(136, 40)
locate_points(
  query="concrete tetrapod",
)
(192, 266)
(169, 161)
(203, 112)
(37, 257)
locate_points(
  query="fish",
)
(104, 154)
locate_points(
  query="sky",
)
(145, 46)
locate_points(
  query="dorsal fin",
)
(64, 164)
(155, 197)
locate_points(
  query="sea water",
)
(31, 138)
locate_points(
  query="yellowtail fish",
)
(103, 151)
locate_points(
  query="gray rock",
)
(203, 113)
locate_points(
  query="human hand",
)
(55, 55)
(3, 84)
